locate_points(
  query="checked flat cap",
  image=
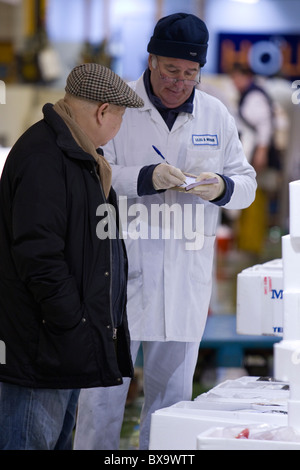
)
(98, 83)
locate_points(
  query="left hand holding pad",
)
(208, 192)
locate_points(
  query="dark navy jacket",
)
(56, 316)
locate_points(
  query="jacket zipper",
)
(114, 329)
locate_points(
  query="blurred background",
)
(42, 40)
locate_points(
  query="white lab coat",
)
(170, 273)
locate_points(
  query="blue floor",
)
(220, 335)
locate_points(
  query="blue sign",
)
(266, 54)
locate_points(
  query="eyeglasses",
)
(173, 81)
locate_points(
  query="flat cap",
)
(98, 83)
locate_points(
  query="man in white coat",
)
(169, 233)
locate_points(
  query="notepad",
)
(191, 182)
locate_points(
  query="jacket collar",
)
(64, 138)
(186, 107)
(182, 117)
(140, 89)
(169, 115)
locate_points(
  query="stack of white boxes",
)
(260, 299)
(245, 401)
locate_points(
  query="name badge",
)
(205, 139)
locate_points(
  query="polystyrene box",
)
(245, 401)
(212, 439)
(177, 428)
(259, 299)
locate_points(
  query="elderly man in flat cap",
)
(62, 287)
(171, 251)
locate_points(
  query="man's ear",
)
(151, 61)
(101, 111)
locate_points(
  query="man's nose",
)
(179, 84)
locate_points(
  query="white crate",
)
(242, 401)
(260, 299)
(212, 439)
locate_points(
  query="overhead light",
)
(246, 1)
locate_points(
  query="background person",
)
(62, 289)
(169, 285)
(256, 126)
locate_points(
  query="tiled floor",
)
(130, 430)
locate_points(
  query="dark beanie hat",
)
(181, 36)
